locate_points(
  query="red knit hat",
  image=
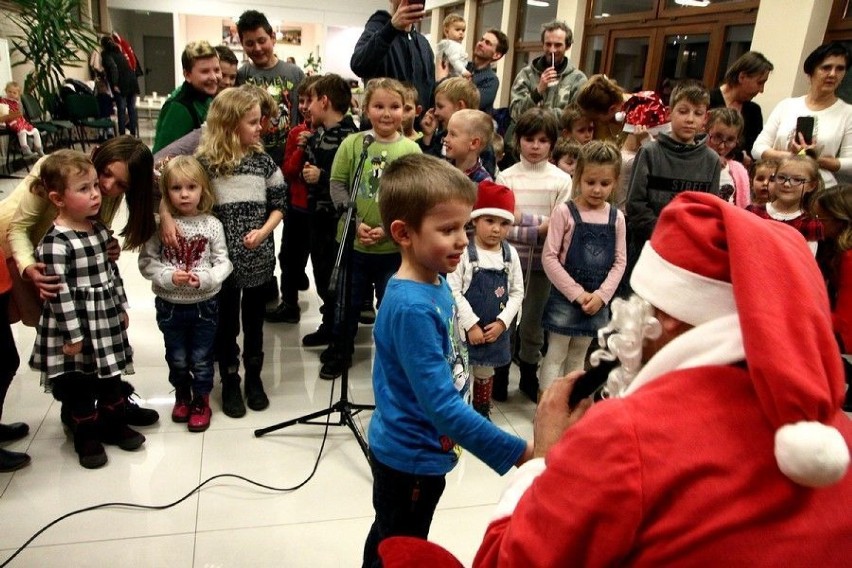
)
(707, 259)
(494, 199)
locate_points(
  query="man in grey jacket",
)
(550, 81)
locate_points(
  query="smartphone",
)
(805, 127)
(589, 383)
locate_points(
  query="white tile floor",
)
(229, 522)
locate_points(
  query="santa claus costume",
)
(728, 447)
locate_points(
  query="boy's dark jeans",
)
(404, 505)
(189, 331)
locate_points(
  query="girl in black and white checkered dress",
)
(81, 346)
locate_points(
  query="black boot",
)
(11, 461)
(89, 449)
(14, 431)
(112, 420)
(529, 380)
(500, 391)
(256, 398)
(232, 398)
(135, 414)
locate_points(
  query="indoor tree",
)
(54, 34)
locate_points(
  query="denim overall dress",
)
(487, 294)
(590, 258)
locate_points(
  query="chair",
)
(83, 112)
(54, 128)
(12, 145)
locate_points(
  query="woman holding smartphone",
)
(821, 111)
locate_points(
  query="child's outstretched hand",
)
(475, 336)
(591, 304)
(71, 349)
(311, 174)
(180, 278)
(494, 330)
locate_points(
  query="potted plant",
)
(313, 64)
(54, 34)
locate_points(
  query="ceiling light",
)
(538, 3)
(695, 3)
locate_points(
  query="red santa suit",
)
(707, 460)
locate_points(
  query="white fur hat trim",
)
(811, 453)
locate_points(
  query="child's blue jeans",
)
(189, 331)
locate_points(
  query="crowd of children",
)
(473, 268)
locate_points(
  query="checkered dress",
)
(86, 309)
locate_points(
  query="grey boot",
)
(255, 396)
(232, 398)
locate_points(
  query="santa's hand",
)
(553, 417)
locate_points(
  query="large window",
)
(532, 15)
(653, 44)
(488, 16)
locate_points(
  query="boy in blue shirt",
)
(420, 372)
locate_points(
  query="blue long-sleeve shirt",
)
(421, 386)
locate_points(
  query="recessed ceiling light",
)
(538, 3)
(695, 3)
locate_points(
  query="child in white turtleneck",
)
(539, 186)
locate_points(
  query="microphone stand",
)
(340, 279)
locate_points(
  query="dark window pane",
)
(488, 16)
(607, 8)
(534, 17)
(844, 91)
(737, 42)
(697, 3)
(685, 57)
(594, 55)
(628, 62)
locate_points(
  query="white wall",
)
(339, 45)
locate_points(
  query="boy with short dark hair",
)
(329, 103)
(293, 256)
(411, 109)
(186, 107)
(420, 372)
(469, 132)
(671, 164)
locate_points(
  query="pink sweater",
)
(559, 240)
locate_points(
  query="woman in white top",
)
(831, 144)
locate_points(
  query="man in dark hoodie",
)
(550, 81)
(391, 47)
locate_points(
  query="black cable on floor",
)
(185, 497)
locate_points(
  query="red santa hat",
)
(494, 199)
(707, 259)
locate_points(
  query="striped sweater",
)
(244, 201)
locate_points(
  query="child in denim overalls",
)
(584, 258)
(488, 287)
